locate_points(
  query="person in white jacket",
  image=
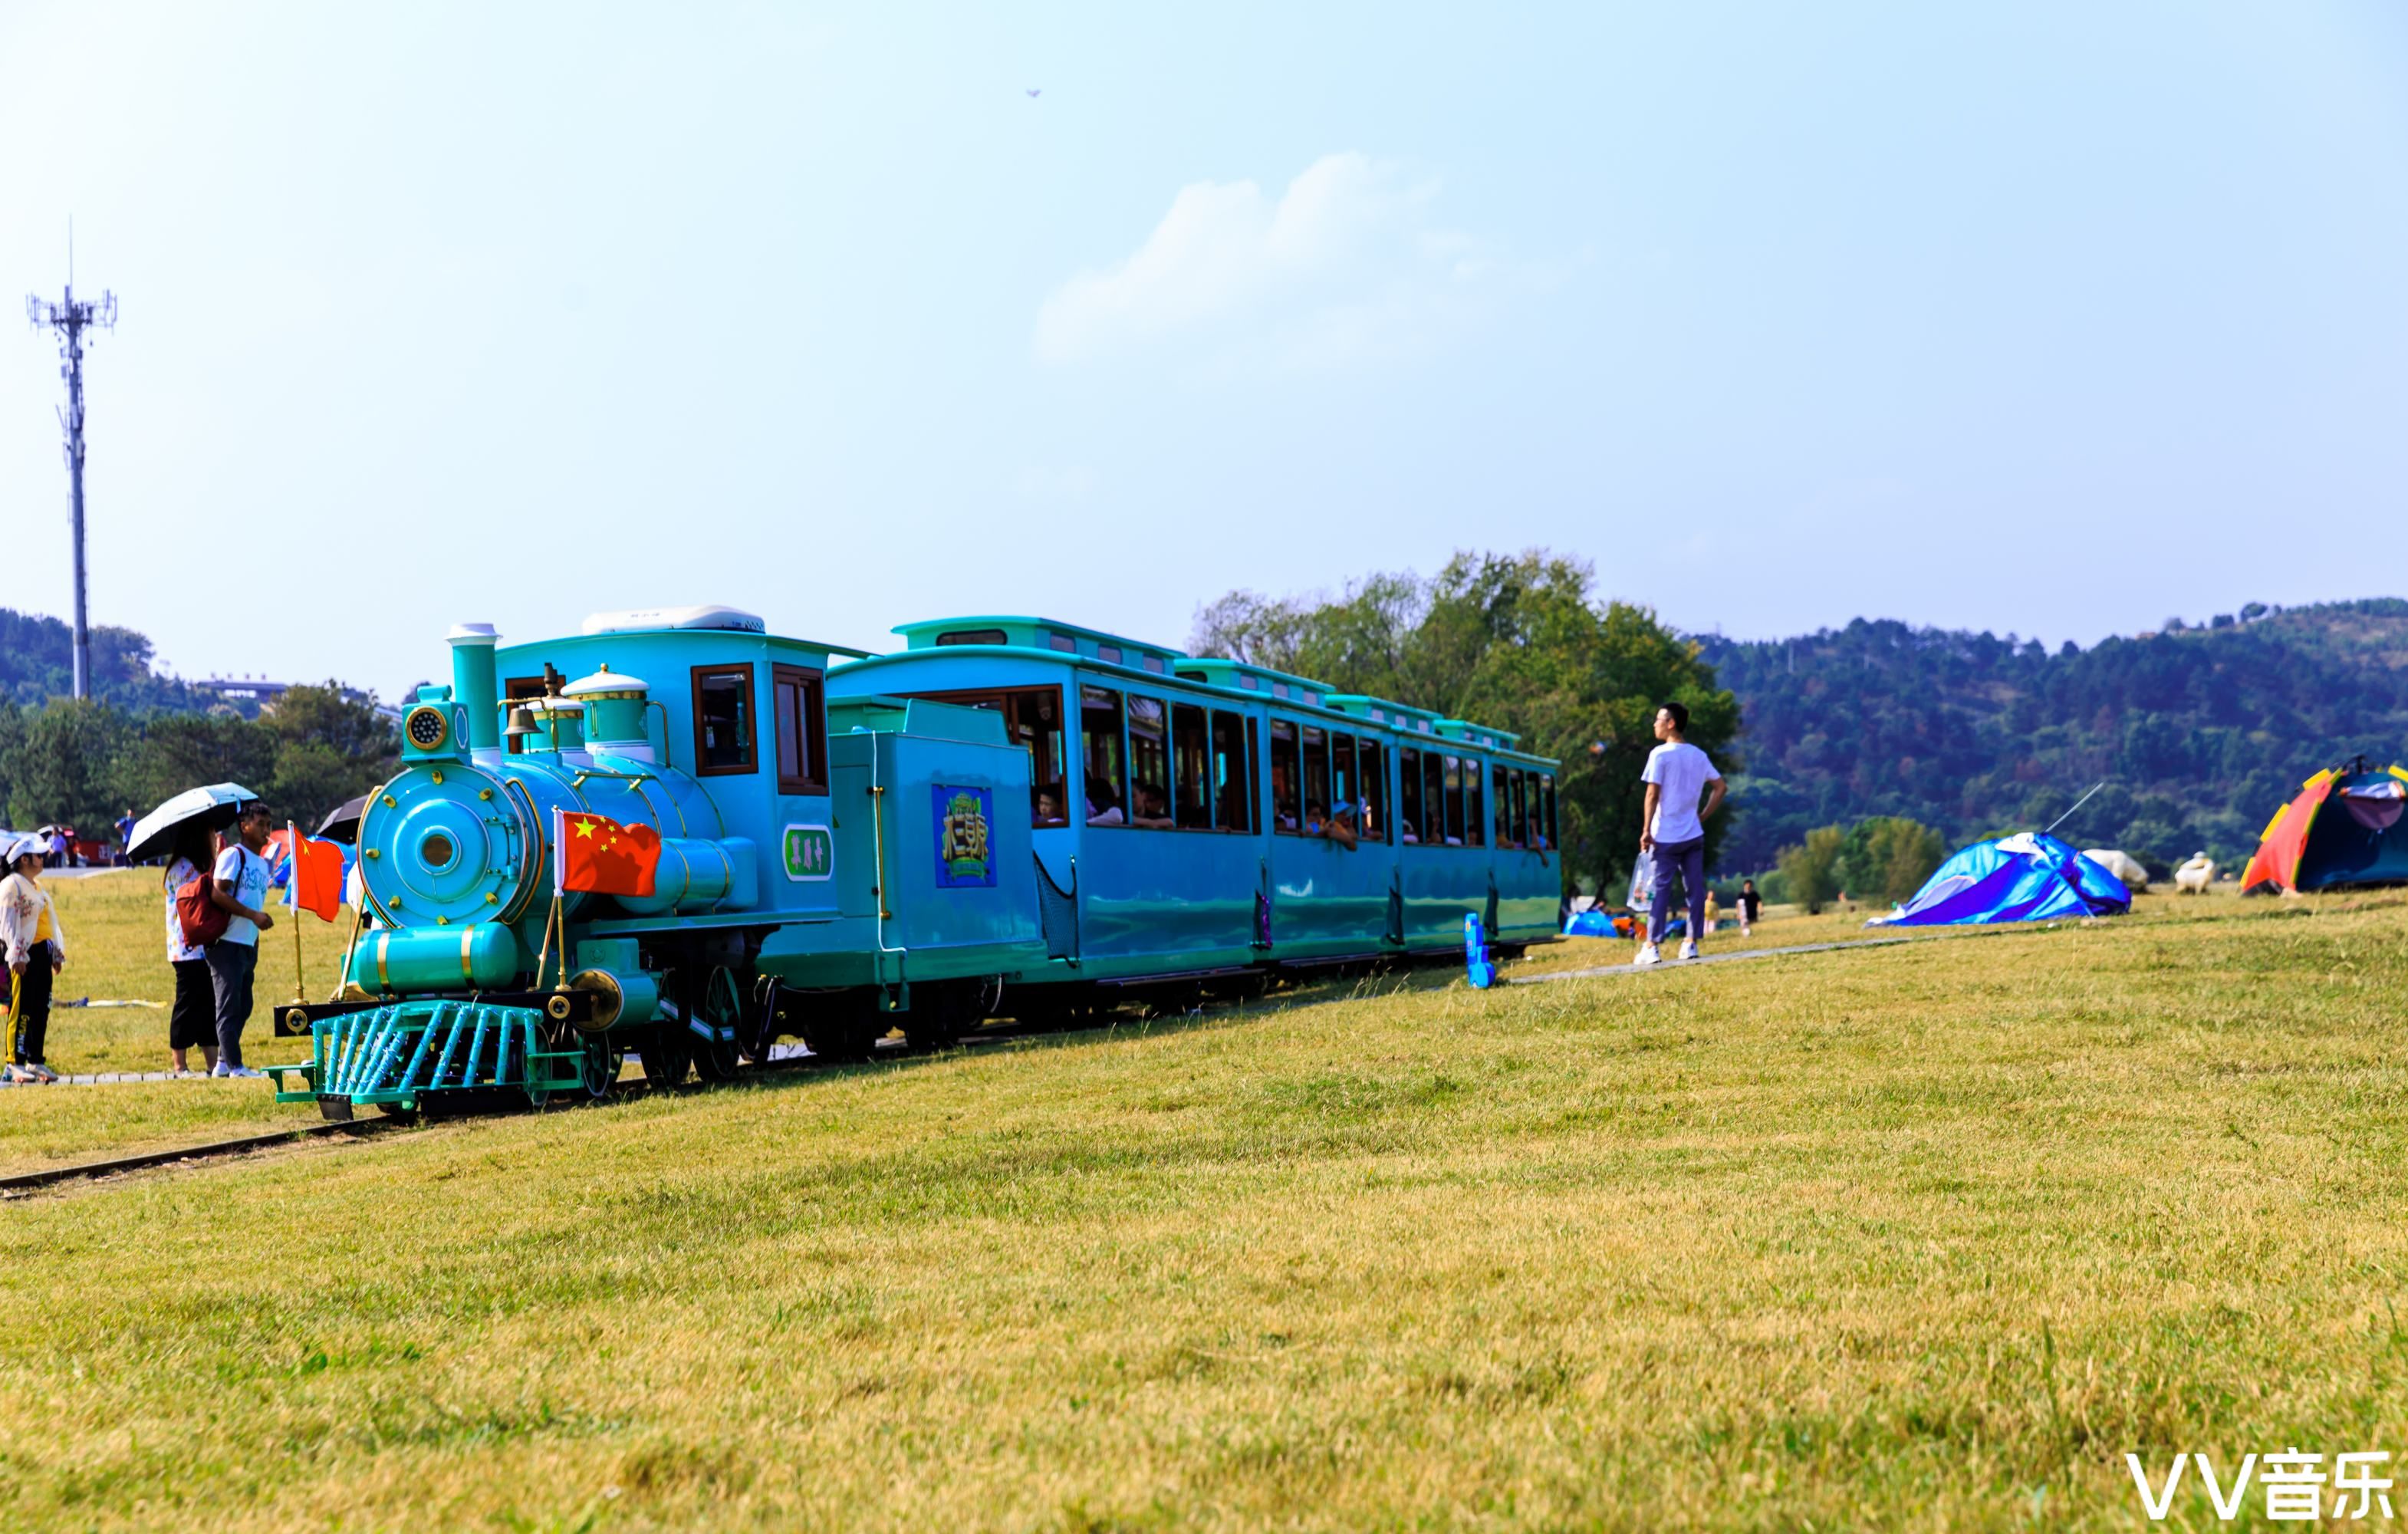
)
(37, 950)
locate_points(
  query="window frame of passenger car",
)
(1119, 738)
(1238, 768)
(1295, 801)
(1186, 715)
(747, 717)
(810, 696)
(1371, 784)
(1129, 732)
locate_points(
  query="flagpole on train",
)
(292, 906)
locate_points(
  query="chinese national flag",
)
(317, 875)
(596, 853)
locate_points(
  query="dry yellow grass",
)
(1920, 1237)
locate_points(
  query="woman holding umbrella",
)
(36, 951)
(193, 1021)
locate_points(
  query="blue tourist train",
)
(1009, 817)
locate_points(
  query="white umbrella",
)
(214, 808)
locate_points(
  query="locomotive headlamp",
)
(427, 727)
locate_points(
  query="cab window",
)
(801, 724)
(723, 720)
(1374, 777)
(1316, 780)
(1101, 750)
(1288, 796)
(1475, 817)
(1233, 773)
(1409, 778)
(1191, 756)
(1149, 736)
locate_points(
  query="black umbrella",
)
(342, 822)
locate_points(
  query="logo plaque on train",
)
(964, 854)
(811, 853)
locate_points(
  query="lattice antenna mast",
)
(71, 317)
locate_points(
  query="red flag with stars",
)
(596, 853)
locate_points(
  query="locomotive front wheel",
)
(718, 1022)
(598, 1066)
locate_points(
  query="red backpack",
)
(202, 920)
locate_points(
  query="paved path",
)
(1668, 965)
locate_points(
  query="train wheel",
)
(940, 1014)
(667, 1059)
(598, 1066)
(846, 1027)
(718, 1023)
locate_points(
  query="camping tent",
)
(2027, 877)
(2307, 846)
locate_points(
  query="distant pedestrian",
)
(36, 951)
(61, 850)
(1751, 907)
(239, 886)
(125, 837)
(193, 1023)
(1673, 826)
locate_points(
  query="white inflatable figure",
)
(2194, 877)
(2126, 869)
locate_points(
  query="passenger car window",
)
(1287, 799)
(1032, 716)
(1149, 734)
(1409, 778)
(1191, 761)
(1454, 800)
(1544, 832)
(1373, 772)
(1475, 818)
(801, 724)
(723, 720)
(1099, 734)
(1233, 775)
(1501, 789)
(1433, 798)
(1316, 780)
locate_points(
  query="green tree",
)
(172, 752)
(1889, 857)
(61, 765)
(1812, 870)
(328, 748)
(1515, 641)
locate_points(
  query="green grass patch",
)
(1915, 1237)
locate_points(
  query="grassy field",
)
(1915, 1237)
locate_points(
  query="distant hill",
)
(2200, 732)
(38, 662)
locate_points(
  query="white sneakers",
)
(1649, 954)
(244, 1072)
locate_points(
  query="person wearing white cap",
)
(37, 950)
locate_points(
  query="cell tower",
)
(71, 317)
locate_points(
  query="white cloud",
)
(1348, 264)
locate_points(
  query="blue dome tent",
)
(2027, 877)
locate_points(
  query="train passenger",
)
(1102, 809)
(1152, 809)
(1049, 809)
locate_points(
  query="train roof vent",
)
(606, 683)
(709, 616)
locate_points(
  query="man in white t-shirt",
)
(1672, 831)
(238, 885)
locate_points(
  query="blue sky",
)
(2051, 319)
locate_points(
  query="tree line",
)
(83, 762)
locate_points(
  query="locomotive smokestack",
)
(473, 687)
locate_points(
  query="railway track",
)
(26, 1183)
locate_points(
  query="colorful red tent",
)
(2307, 846)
